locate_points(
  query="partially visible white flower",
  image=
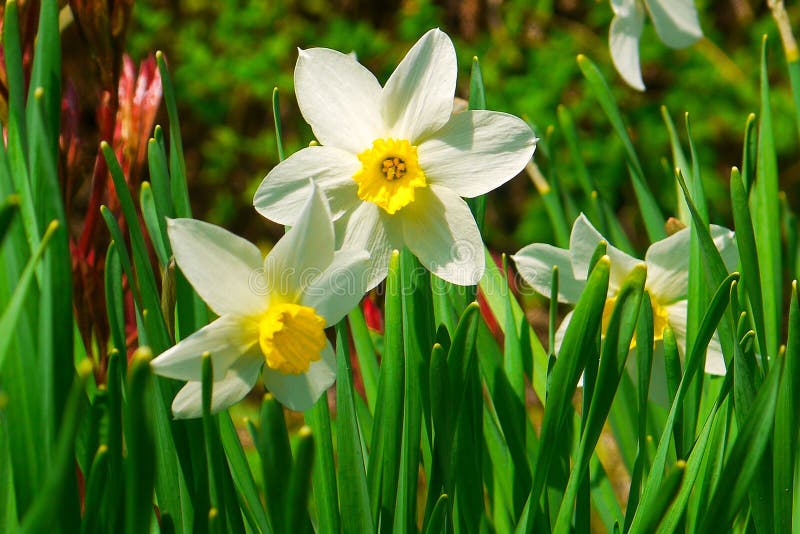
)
(394, 161)
(272, 312)
(676, 23)
(667, 277)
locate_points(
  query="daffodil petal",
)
(668, 262)
(300, 392)
(715, 360)
(676, 21)
(477, 151)
(725, 241)
(677, 314)
(339, 98)
(339, 289)
(226, 339)
(582, 243)
(285, 190)
(623, 38)
(304, 252)
(438, 227)
(668, 267)
(418, 97)
(219, 265)
(366, 228)
(233, 387)
(558, 338)
(535, 264)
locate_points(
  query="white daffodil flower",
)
(272, 312)
(394, 161)
(667, 277)
(676, 23)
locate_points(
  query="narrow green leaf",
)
(354, 500)
(8, 212)
(436, 523)
(8, 504)
(745, 456)
(365, 352)
(96, 491)
(159, 177)
(299, 484)
(56, 342)
(383, 468)
(651, 213)
(276, 459)
(746, 242)
(679, 161)
(323, 476)
(477, 100)
(140, 464)
(579, 342)
(113, 510)
(492, 287)
(156, 328)
(465, 384)
(155, 231)
(749, 152)
(651, 516)
(673, 374)
(12, 56)
(417, 309)
(10, 317)
(695, 362)
(766, 216)
(614, 353)
(250, 501)
(787, 411)
(177, 165)
(644, 367)
(214, 454)
(112, 275)
(698, 466)
(57, 493)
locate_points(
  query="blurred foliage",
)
(227, 56)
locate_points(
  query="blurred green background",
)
(226, 57)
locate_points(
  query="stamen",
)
(291, 337)
(394, 168)
(389, 174)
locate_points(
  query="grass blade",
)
(695, 362)
(579, 342)
(140, 464)
(326, 495)
(785, 455)
(745, 456)
(57, 492)
(766, 217)
(653, 218)
(615, 350)
(354, 499)
(296, 518)
(383, 468)
(8, 321)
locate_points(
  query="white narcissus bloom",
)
(394, 161)
(675, 21)
(667, 277)
(272, 312)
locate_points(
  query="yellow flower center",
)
(389, 174)
(660, 319)
(291, 337)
